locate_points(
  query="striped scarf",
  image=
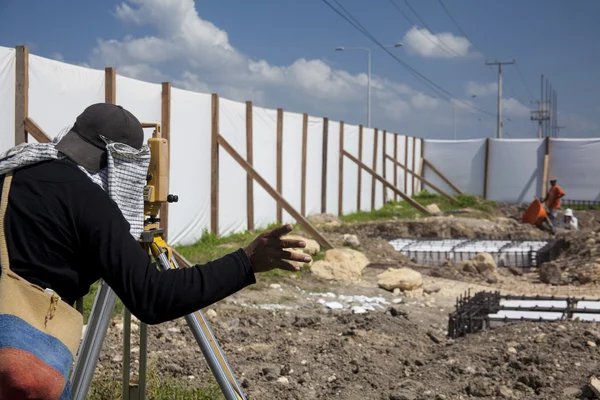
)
(123, 178)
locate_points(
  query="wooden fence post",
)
(421, 164)
(406, 163)
(546, 171)
(359, 188)
(279, 162)
(21, 93)
(414, 157)
(250, 160)
(324, 166)
(214, 167)
(165, 127)
(341, 175)
(110, 85)
(373, 181)
(487, 169)
(304, 151)
(383, 160)
(395, 167)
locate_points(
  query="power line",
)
(531, 96)
(524, 83)
(428, 28)
(420, 76)
(458, 26)
(410, 21)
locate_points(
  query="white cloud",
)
(440, 45)
(481, 89)
(194, 54)
(513, 108)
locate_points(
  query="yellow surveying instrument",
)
(152, 240)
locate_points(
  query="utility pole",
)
(546, 112)
(499, 64)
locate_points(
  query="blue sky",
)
(279, 53)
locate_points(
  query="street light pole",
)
(368, 50)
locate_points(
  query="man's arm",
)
(151, 295)
(156, 296)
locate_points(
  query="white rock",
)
(351, 240)
(303, 362)
(211, 313)
(334, 305)
(283, 380)
(397, 301)
(174, 330)
(358, 310)
(275, 286)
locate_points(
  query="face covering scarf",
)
(39, 333)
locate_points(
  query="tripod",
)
(91, 345)
(155, 194)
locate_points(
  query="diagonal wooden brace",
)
(412, 202)
(280, 200)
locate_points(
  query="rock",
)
(351, 241)
(592, 344)
(468, 267)
(275, 286)
(343, 264)
(283, 380)
(595, 386)
(434, 209)
(397, 292)
(312, 246)
(431, 289)
(211, 313)
(332, 378)
(515, 271)
(271, 373)
(484, 262)
(572, 392)
(505, 393)
(324, 219)
(400, 278)
(334, 305)
(481, 387)
(403, 394)
(550, 273)
(174, 368)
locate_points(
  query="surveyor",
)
(71, 214)
(555, 193)
(569, 220)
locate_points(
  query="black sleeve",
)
(151, 295)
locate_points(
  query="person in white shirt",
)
(569, 220)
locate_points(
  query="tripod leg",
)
(209, 347)
(91, 345)
(143, 359)
(126, 353)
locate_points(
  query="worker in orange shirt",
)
(553, 200)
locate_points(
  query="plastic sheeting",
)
(575, 164)
(7, 98)
(516, 170)
(461, 161)
(58, 92)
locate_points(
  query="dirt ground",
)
(298, 338)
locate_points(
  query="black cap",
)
(83, 143)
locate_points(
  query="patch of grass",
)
(159, 386)
(211, 247)
(402, 209)
(88, 303)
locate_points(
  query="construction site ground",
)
(286, 337)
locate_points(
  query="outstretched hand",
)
(266, 252)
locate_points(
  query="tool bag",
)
(39, 333)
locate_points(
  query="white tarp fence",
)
(516, 167)
(58, 92)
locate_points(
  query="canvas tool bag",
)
(36, 326)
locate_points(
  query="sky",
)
(281, 53)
